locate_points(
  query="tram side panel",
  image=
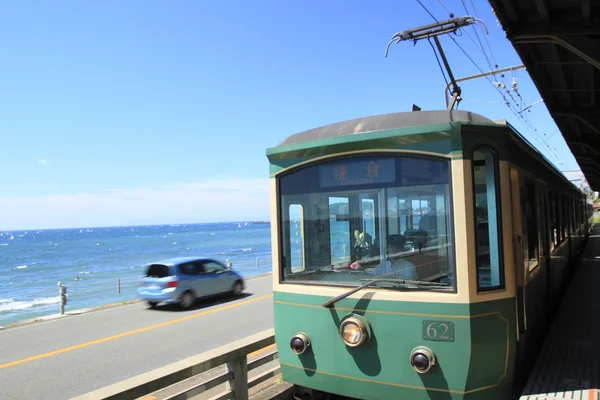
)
(540, 257)
(547, 243)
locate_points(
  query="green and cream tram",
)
(416, 255)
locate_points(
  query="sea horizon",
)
(101, 265)
(262, 221)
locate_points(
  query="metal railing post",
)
(239, 384)
(62, 294)
(119, 285)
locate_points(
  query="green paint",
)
(443, 139)
(381, 369)
(412, 134)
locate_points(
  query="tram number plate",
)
(439, 331)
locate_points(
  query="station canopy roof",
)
(559, 43)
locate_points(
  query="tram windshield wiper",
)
(370, 282)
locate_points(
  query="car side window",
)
(199, 267)
(212, 267)
(187, 269)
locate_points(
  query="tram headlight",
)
(299, 343)
(354, 331)
(422, 359)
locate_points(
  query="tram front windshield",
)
(349, 220)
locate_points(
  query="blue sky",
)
(150, 112)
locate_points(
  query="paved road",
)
(73, 355)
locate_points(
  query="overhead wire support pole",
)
(434, 30)
(467, 78)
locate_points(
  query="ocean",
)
(101, 265)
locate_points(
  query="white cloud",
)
(210, 200)
(30, 187)
(43, 161)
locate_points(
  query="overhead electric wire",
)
(479, 40)
(532, 130)
(484, 36)
(492, 64)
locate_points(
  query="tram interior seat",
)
(428, 222)
(417, 237)
(395, 242)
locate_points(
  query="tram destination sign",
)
(357, 172)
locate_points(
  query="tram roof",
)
(410, 119)
(385, 122)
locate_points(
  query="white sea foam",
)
(21, 267)
(24, 305)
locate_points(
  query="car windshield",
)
(368, 217)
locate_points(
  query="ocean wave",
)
(24, 305)
(53, 255)
(20, 267)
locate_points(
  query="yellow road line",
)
(120, 335)
(257, 352)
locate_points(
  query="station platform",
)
(568, 366)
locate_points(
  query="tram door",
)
(530, 248)
(518, 252)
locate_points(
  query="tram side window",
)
(551, 221)
(565, 220)
(296, 237)
(490, 274)
(554, 223)
(531, 225)
(573, 215)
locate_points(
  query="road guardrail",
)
(168, 382)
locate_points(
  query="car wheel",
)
(187, 300)
(238, 288)
(153, 304)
